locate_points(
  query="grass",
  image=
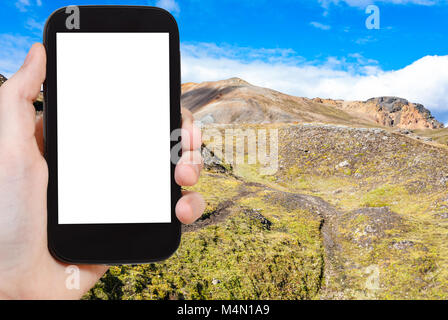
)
(399, 179)
(240, 258)
(237, 259)
(383, 196)
(438, 135)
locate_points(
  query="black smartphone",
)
(111, 101)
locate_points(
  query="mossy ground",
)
(384, 170)
(242, 258)
(239, 258)
(437, 135)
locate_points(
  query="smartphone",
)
(111, 101)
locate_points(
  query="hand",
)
(27, 270)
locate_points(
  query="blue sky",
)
(302, 47)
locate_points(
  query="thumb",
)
(17, 115)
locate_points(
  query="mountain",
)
(237, 101)
(2, 79)
(354, 209)
(351, 213)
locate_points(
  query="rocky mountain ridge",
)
(237, 101)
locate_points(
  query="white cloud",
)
(22, 5)
(32, 24)
(13, 53)
(170, 5)
(211, 50)
(365, 3)
(319, 25)
(366, 39)
(352, 78)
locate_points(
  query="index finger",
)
(191, 134)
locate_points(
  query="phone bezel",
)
(109, 243)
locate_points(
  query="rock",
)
(255, 214)
(396, 112)
(402, 244)
(443, 215)
(207, 119)
(213, 163)
(343, 164)
(370, 229)
(390, 104)
(378, 222)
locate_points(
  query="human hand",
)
(27, 270)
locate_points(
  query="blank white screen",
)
(113, 128)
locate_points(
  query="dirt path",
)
(291, 201)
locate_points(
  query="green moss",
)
(382, 196)
(238, 259)
(216, 188)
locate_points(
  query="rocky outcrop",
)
(395, 112)
(213, 163)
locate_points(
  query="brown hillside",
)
(237, 101)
